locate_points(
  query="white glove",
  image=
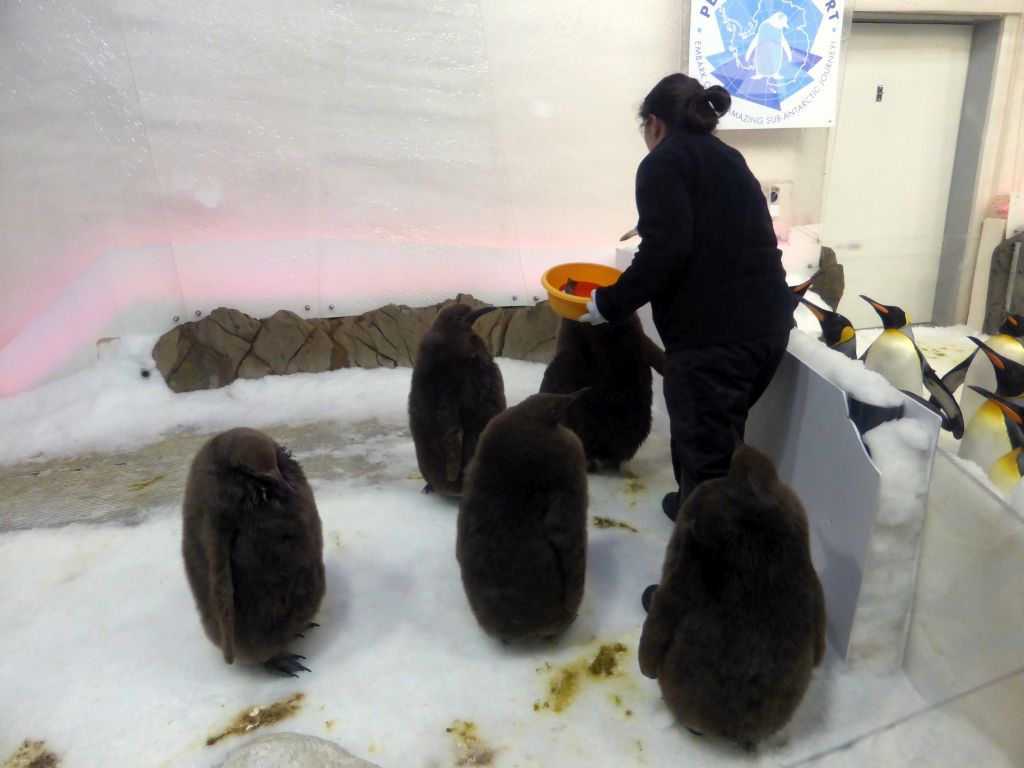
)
(592, 316)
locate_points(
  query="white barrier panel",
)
(968, 621)
(865, 516)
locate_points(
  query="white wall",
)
(160, 159)
(304, 154)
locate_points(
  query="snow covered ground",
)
(102, 656)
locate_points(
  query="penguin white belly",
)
(985, 438)
(894, 355)
(981, 374)
(1004, 473)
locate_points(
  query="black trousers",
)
(709, 391)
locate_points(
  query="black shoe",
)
(670, 505)
(648, 596)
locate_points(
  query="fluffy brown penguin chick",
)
(253, 547)
(456, 389)
(738, 621)
(615, 361)
(522, 527)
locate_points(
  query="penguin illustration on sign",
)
(769, 47)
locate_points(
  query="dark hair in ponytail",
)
(684, 104)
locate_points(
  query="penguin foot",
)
(286, 663)
(648, 596)
(427, 489)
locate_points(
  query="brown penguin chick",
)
(738, 621)
(456, 389)
(253, 547)
(615, 361)
(522, 528)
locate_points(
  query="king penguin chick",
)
(896, 356)
(615, 361)
(522, 528)
(456, 389)
(836, 331)
(986, 437)
(253, 547)
(1008, 343)
(738, 621)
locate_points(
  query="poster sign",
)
(779, 59)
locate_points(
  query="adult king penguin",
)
(456, 389)
(896, 356)
(1008, 343)
(987, 435)
(1005, 472)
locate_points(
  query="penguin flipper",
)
(955, 376)
(569, 548)
(942, 397)
(223, 593)
(667, 609)
(451, 444)
(654, 355)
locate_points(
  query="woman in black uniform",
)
(710, 266)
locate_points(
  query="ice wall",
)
(161, 159)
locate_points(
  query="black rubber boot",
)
(648, 596)
(670, 505)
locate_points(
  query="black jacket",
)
(709, 262)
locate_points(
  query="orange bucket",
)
(586, 276)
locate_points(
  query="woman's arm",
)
(666, 226)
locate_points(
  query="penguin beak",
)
(991, 354)
(629, 235)
(476, 314)
(577, 395)
(814, 310)
(879, 308)
(1011, 320)
(1010, 409)
(801, 289)
(276, 479)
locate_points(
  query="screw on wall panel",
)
(515, 298)
(307, 307)
(330, 306)
(176, 319)
(536, 298)
(198, 313)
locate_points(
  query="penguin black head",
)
(1009, 373)
(1013, 325)
(893, 318)
(252, 453)
(836, 330)
(460, 315)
